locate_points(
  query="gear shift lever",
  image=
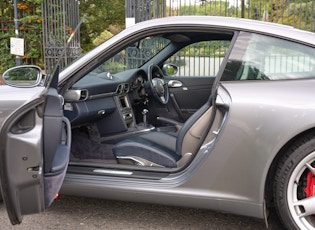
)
(144, 118)
(144, 124)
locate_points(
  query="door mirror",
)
(170, 69)
(23, 76)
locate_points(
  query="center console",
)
(127, 118)
(126, 111)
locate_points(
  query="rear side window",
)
(259, 57)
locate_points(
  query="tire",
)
(294, 185)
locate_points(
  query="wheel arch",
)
(268, 191)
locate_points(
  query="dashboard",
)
(106, 99)
(105, 84)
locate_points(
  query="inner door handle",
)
(175, 84)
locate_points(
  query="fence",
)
(297, 13)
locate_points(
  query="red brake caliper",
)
(310, 185)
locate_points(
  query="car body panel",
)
(196, 186)
(271, 103)
(21, 161)
(10, 103)
(219, 176)
(228, 171)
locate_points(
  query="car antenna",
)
(56, 66)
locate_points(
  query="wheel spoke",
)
(307, 206)
(311, 168)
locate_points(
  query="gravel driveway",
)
(84, 213)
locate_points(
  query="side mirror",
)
(23, 76)
(170, 69)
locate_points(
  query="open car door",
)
(35, 145)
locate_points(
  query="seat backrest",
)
(190, 135)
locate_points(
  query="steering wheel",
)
(157, 84)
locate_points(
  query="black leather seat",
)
(162, 149)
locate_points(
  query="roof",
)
(235, 24)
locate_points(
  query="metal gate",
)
(143, 10)
(60, 18)
(297, 13)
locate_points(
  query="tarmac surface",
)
(76, 213)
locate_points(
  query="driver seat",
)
(166, 150)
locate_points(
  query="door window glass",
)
(259, 57)
(201, 59)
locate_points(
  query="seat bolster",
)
(189, 124)
(146, 150)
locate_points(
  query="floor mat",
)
(86, 145)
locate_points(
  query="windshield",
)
(134, 55)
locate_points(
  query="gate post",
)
(60, 18)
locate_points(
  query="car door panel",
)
(34, 150)
(187, 95)
(21, 164)
(56, 150)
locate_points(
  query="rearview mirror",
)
(23, 76)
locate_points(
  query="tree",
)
(101, 16)
(29, 14)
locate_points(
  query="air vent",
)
(126, 88)
(119, 89)
(83, 95)
(76, 95)
(122, 88)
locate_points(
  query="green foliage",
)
(101, 15)
(105, 35)
(297, 13)
(213, 8)
(6, 59)
(291, 18)
(30, 26)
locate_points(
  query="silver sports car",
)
(205, 112)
